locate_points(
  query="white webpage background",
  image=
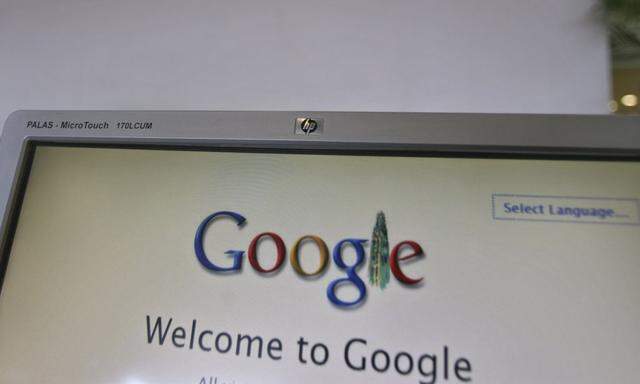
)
(106, 237)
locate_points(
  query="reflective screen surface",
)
(134, 266)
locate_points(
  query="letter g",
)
(199, 243)
(352, 276)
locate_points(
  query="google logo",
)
(382, 263)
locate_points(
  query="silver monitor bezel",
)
(586, 137)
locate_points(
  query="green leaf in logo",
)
(379, 271)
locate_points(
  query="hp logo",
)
(307, 126)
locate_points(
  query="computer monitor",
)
(314, 247)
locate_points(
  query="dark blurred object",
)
(623, 20)
(626, 91)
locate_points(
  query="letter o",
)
(295, 255)
(387, 360)
(325, 354)
(218, 342)
(253, 252)
(396, 363)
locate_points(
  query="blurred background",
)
(623, 20)
(494, 56)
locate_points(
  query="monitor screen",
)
(141, 265)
